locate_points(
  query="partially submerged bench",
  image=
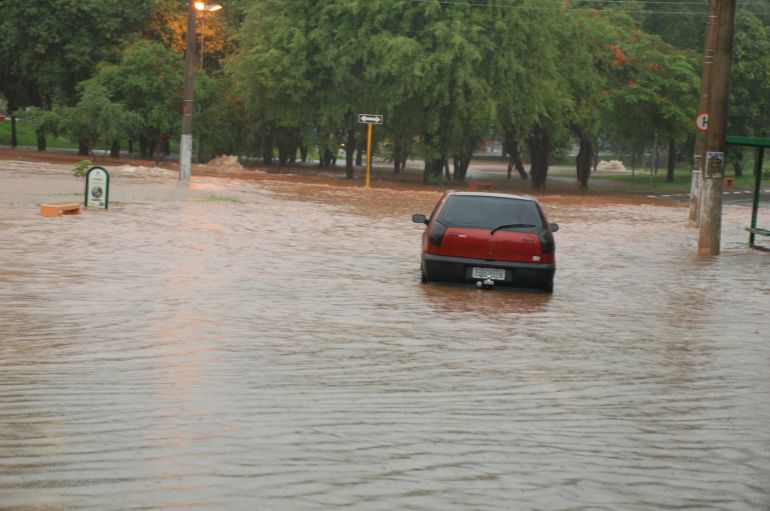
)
(51, 210)
(760, 144)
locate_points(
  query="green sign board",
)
(97, 188)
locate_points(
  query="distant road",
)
(734, 198)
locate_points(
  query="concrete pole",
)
(710, 219)
(699, 157)
(185, 144)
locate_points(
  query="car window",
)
(481, 212)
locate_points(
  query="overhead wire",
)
(613, 11)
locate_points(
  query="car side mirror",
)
(554, 227)
(420, 219)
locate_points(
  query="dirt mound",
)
(610, 165)
(141, 171)
(225, 165)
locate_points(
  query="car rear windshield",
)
(480, 212)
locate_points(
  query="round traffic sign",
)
(702, 121)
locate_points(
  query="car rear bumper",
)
(459, 270)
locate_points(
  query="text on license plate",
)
(488, 273)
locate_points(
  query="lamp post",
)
(203, 8)
(185, 144)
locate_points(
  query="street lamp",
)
(203, 8)
(185, 144)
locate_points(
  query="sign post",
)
(97, 188)
(369, 119)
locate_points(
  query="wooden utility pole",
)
(699, 157)
(710, 219)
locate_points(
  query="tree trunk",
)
(267, 150)
(517, 161)
(671, 160)
(512, 147)
(397, 157)
(14, 138)
(738, 163)
(585, 156)
(360, 146)
(328, 158)
(284, 142)
(293, 148)
(462, 163)
(433, 168)
(41, 142)
(350, 149)
(83, 148)
(303, 153)
(540, 149)
(115, 149)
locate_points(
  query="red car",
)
(489, 239)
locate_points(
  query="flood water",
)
(268, 345)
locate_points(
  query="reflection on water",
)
(269, 346)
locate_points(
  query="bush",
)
(81, 167)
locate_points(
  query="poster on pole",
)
(97, 188)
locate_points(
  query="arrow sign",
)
(369, 119)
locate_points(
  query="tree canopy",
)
(281, 75)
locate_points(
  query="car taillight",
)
(436, 234)
(547, 245)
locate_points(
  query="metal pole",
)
(368, 156)
(710, 219)
(185, 144)
(757, 185)
(203, 35)
(699, 159)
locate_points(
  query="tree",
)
(43, 122)
(148, 82)
(97, 120)
(271, 73)
(52, 47)
(750, 83)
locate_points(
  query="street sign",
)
(702, 121)
(369, 118)
(97, 188)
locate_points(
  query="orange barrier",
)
(51, 210)
(729, 181)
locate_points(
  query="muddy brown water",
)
(268, 345)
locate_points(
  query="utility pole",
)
(699, 160)
(710, 219)
(185, 144)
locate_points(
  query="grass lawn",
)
(26, 137)
(642, 182)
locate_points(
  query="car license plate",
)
(488, 273)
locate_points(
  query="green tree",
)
(47, 48)
(750, 83)
(147, 81)
(43, 122)
(96, 120)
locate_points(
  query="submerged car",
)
(488, 239)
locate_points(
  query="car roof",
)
(498, 195)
